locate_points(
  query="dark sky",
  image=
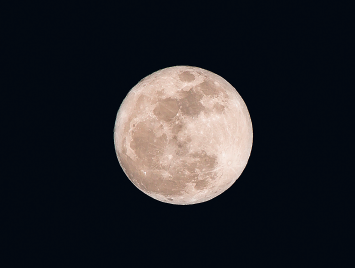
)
(69, 66)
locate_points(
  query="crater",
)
(186, 76)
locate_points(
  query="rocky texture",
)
(183, 135)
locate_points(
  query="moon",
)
(183, 135)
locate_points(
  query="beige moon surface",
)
(183, 135)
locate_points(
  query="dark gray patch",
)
(200, 185)
(186, 76)
(177, 128)
(168, 187)
(180, 146)
(219, 108)
(190, 103)
(160, 93)
(166, 109)
(208, 88)
(204, 161)
(146, 171)
(141, 102)
(146, 145)
(182, 149)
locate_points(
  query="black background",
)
(75, 63)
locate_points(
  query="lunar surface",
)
(183, 135)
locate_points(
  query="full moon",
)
(183, 135)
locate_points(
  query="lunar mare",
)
(183, 135)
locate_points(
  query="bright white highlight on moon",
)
(183, 135)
